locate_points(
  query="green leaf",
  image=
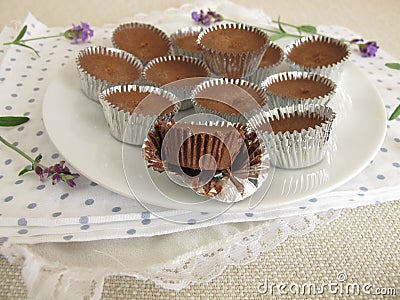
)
(25, 170)
(395, 114)
(393, 65)
(12, 121)
(276, 36)
(21, 33)
(308, 28)
(280, 25)
(29, 47)
(38, 158)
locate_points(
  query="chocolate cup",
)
(275, 100)
(297, 149)
(128, 127)
(164, 39)
(233, 65)
(91, 84)
(240, 115)
(184, 32)
(182, 92)
(227, 185)
(332, 70)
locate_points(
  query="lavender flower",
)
(206, 18)
(79, 33)
(58, 173)
(367, 49)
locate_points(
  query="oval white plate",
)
(82, 137)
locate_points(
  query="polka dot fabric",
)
(34, 212)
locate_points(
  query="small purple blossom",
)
(206, 18)
(58, 173)
(367, 49)
(79, 33)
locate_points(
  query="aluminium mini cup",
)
(164, 42)
(132, 128)
(237, 87)
(275, 100)
(186, 32)
(182, 88)
(233, 64)
(297, 149)
(262, 72)
(91, 85)
(332, 70)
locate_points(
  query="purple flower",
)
(367, 49)
(58, 172)
(206, 18)
(79, 33)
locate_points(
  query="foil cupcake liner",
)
(91, 85)
(152, 28)
(240, 117)
(280, 100)
(182, 92)
(297, 149)
(132, 128)
(233, 65)
(332, 71)
(184, 32)
(261, 73)
(229, 185)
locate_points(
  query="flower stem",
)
(20, 152)
(286, 24)
(34, 39)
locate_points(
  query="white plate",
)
(82, 137)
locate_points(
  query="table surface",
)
(357, 242)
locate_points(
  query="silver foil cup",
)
(129, 26)
(181, 88)
(333, 70)
(132, 128)
(233, 65)
(297, 149)
(262, 72)
(91, 85)
(231, 185)
(275, 100)
(237, 85)
(182, 33)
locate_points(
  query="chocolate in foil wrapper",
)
(235, 100)
(145, 41)
(177, 74)
(299, 138)
(324, 55)
(270, 64)
(233, 50)
(236, 162)
(184, 42)
(292, 88)
(101, 67)
(131, 123)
